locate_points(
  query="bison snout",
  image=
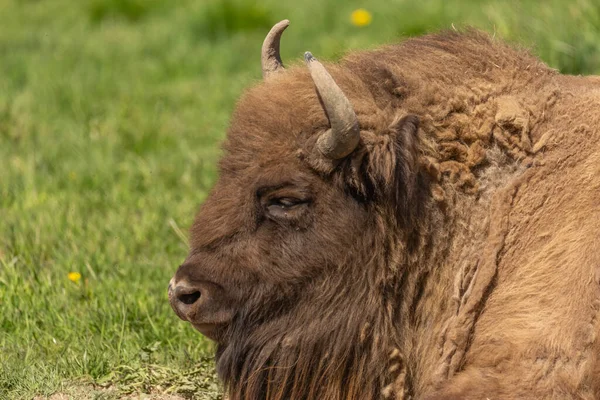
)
(203, 304)
(185, 298)
(187, 295)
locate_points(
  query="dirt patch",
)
(90, 392)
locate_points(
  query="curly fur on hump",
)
(470, 93)
(479, 168)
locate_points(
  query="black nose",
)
(187, 295)
(205, 304)
(183, 296)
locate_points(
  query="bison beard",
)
(311, 350)
(387, 227)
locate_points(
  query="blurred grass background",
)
(111, 115)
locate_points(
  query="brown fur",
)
(454, 254)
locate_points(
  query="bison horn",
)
(344, 135)
(269, 57)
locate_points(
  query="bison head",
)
(297, 255)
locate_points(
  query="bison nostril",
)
(189, 298)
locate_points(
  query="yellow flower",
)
(361, 17)
(74, 276)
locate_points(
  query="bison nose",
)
(183, 296)
(203, 303)
(187, 295)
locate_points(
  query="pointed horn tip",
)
(281, 26)
(308, 57)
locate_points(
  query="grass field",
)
(111, 115)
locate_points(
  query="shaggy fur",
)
(454, 254)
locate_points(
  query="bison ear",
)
(386, 171)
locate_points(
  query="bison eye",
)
(285, 207)
(285, 202)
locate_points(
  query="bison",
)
(417, 221)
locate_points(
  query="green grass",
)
(111, 115)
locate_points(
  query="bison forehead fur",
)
(453, 253)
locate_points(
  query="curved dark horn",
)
(269, 57)
(344, 135)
